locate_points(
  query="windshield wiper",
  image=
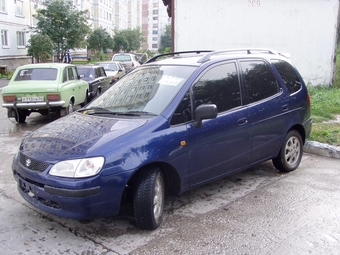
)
(141, 113)
(98, 110)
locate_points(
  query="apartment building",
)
(16, 17)
(154, 20)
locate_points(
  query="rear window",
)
(122, 58)
(288, 75)
(37, 74)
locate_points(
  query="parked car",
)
(96, 77)
(168, 126)
(113, 69)
(43, 88)
(129, 60)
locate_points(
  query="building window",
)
(154, 46)
(154, 38)
(155, 18)
(19, 8)
(2, 6)
(4, 38)
(21, 38)
(155, 32)
(155, 12)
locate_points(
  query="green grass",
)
(325, 108)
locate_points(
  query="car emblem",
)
(28, 162)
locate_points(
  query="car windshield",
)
(122, 58)
(109, 66)
(37, 74)
(148, 89)
(86, 72)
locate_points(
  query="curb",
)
(322, 149)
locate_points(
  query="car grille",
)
(33, 164)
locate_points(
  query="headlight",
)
(78, 168)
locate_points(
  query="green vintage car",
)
(44, 88)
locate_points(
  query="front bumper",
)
(84, 198)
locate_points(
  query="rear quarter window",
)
(288, 75)
(259, 80)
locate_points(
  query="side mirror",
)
(205, 111)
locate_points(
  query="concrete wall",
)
(307, 29)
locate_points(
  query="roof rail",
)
(248, 51)
(153, 59)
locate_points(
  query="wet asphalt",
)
(257, 211)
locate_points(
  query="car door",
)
(220, 145)
(269, 111)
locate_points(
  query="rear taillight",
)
(9, 98)
(53, 97)
(133, 64)
(309, 100)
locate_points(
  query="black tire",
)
(20, 116)
(148, 201)
(69, 108)
(291, 152)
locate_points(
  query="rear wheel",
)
(20, 115)
(291, 152)
(69, 108)
(148, 199)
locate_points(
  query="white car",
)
(113, 69)
(129, 60)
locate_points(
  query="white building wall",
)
(12, 22)
(307, 29)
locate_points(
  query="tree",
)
(63, 24)
(40, 47)
(100, 40)
(165, 45)
(127, 39)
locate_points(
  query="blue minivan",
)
(176, 122)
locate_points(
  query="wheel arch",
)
(301, 130)
(172, 181)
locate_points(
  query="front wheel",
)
(148, 202)
(291, 152)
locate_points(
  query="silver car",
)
(128, 60)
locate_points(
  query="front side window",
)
(4, 37)
(259, 80)
(20, 38)
(288, 75)
(219, 86)
(19, 8)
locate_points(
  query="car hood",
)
(75, 136)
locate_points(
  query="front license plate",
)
(26, 187)
(32, 99)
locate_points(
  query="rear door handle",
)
(284, 107)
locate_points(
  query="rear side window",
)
(219, 86)
(260, 82)
(288, 75)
